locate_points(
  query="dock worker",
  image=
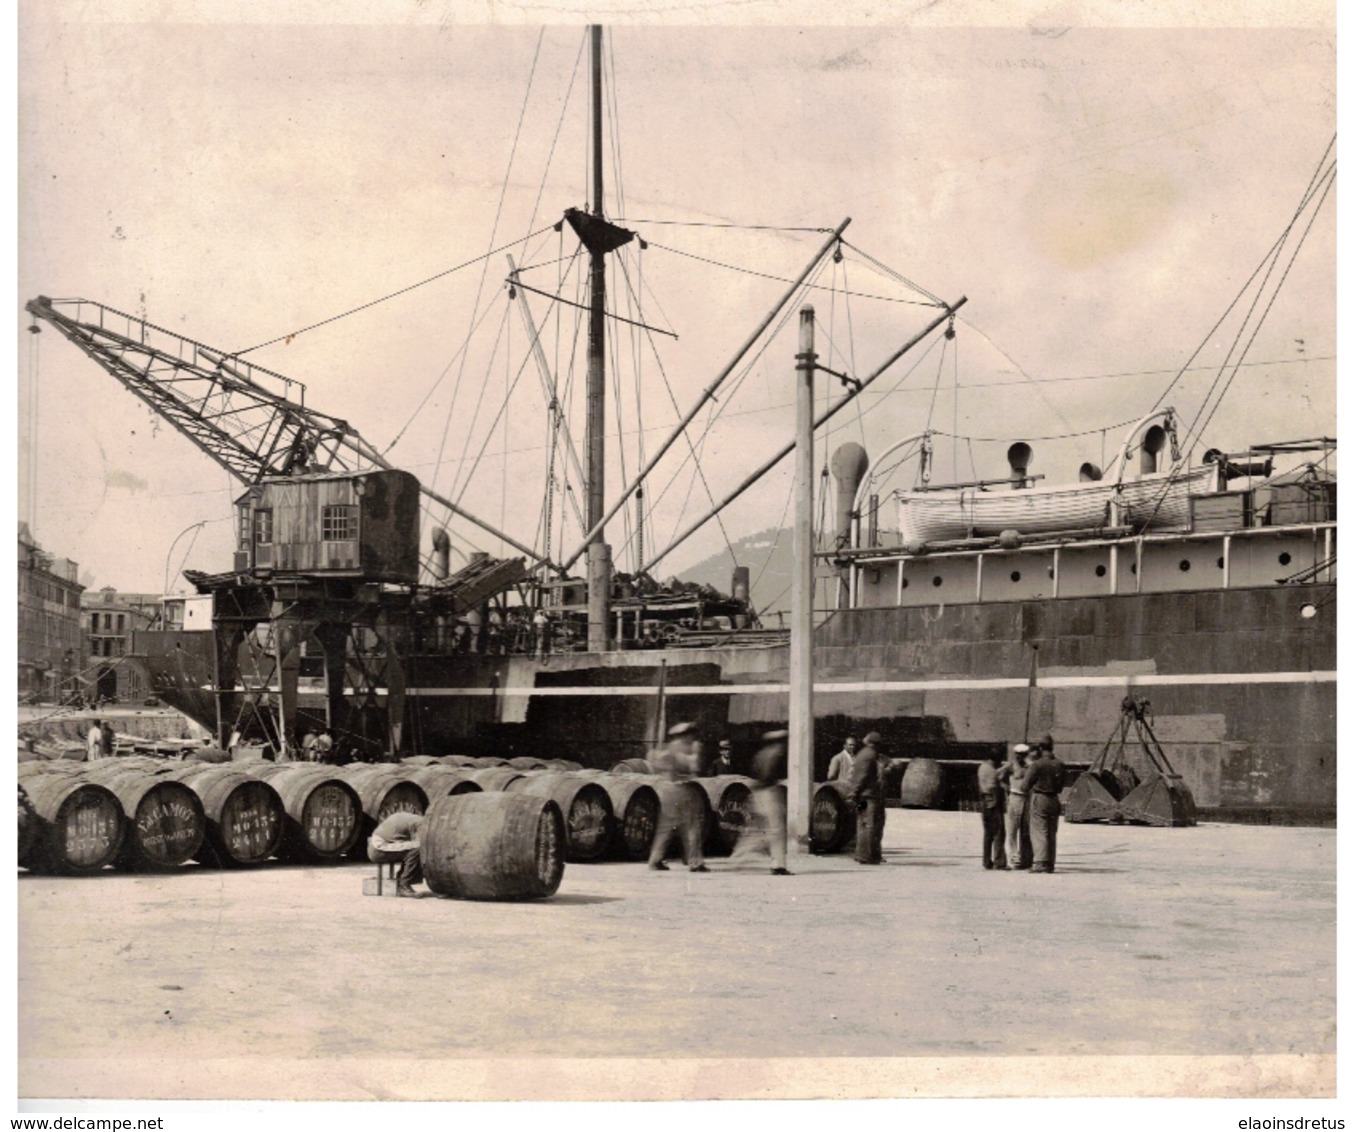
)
(1043, 785)
(680, 810)
(840, 766)
(769, 798)
(324, 745)
(1014, 775)
(723, 763)
(396, 838)
(107, 743)
(992, 806)
(94, 742)
(867, 793)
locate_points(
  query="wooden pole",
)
(800, 716)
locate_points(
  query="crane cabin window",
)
(339, 523)
(263, 526)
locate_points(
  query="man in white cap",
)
(1014, 774)
(680, 810)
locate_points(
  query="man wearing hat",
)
(1043, 784)
(866, 792)
(992, 809)
(723, 765)
(1014, 775)
(681, 812)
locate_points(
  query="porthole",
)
(1100, 571)
(937, 581)
(1184, 565)
(1285, 558)
(1016, 575)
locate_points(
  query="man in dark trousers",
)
(866, 792)
(992, 802)
(769, 798)
(1043, 784)
(397, 839)
(680, 810)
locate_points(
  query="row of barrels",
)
(145, 813)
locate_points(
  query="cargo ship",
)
(998, 609)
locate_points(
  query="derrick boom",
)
(250, 420)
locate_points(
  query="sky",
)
(1098, 193)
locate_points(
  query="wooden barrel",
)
(28, 827)
(833, 821)
(635, 809)
(440, 781)
(80, 824)
(923, 786)
(493, 846)
(394, 793)
(485, 763)
(494, 778)
(585, 805)
(563, 764)
(324, 813)
(729, 796)
(525, 763)
(244, 814)
(634, 766)
(456, 760)
(165, 822)
(419, 760)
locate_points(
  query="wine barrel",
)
(440, 781)
(564, 764)
(395, 793)
(419, 760)
(635, 808)
(165, 822)
(493, 846)
(585, 805)
(80, 824)
(494, 778)
(244, 814)
(923, 786)
(29, 830)
(456, 760)
(730, 796)
(324, 813)
(525, 763)
(833, 820)
(634, 766)
(486, 763)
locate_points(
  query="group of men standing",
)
(99, 743)
(1019, 802)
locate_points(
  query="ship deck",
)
(1155, 962)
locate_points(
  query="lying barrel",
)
(833, 820)
(923, 786)
(563, 764)
(633, 766)
(28, 827)
(440, 781)
(494, 778)
(585, 805)
(525, 763)
(456, 760)
(165, 822)
(493, 846)
(730, 796)
(324, 814)
(382, 795)
(244, 814)
(486, 763)
(419, 760)
(80, 826)
(635, 809)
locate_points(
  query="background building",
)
(110, 619)
(51, 646)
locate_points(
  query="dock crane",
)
(256, 424)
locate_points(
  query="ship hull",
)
(1242, 688)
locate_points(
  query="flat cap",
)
(725, 744)
(774, 736)
(1020, 748)
(681, 729)
(872, 737)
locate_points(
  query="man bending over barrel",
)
(397, 839)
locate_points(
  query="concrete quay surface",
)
(1158, 962)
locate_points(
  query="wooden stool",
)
(386, 871)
